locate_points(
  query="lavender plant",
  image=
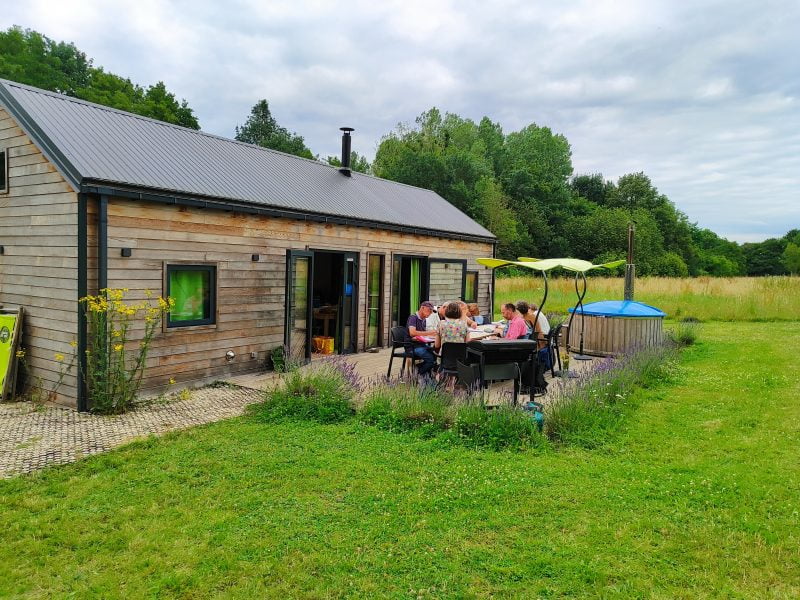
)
(584, 411)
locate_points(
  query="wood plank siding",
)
(39, 270)
(611, 336)
(38, 267)
(251, 295)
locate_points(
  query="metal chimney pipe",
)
(346, 139)
(630, 268)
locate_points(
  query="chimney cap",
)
(346, 129)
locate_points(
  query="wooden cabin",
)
(259, 248)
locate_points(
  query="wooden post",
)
(630, 268)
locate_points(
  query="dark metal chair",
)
(402, 347)
(468, 375)
(552, 344)
(451, 354)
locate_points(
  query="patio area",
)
(33, 437)
(371, 366)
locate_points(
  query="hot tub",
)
(613, 326)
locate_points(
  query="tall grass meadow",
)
(704, 298)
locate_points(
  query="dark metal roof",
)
(97, 145)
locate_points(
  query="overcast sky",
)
(703, 96)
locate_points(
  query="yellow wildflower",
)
(172, 381)
(59, 356)
(116, 333)
(20, 353)
(117, 347)
(148, 293)
(73, 343)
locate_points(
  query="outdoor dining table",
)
(479, 334)
(501, 357)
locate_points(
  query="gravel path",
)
(33, 437)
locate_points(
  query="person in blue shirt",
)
(416, 327)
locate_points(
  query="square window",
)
(194, 289)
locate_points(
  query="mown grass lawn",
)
(698, 496)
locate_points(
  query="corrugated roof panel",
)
(112, 146)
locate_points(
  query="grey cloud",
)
(702, 96)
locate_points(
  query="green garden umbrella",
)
(576, 265)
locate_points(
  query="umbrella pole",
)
(581, 355)
(571, 373)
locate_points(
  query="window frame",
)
(4, 168)
(475, 287)
(462, 262)
(211, 268)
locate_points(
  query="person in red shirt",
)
(515, 325)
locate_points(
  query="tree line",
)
(29, 57)
(519, 185)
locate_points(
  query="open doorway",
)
(322, 296)
(409, 286)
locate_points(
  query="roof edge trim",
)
(46, 145)
(148, 195)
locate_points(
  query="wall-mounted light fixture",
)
(230, 355)
(126, 252)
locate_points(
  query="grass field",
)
(698, 496)
(705, 298)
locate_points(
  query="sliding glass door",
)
(374, 301)
(299, 269)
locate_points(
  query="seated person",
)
(465, 316)
(432, 322)
(515, 325)
(529, 313)
(524, 309)
(416, 327)
(475, 313)
(544, 324)
(452, 328)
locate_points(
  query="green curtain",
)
(414, 287)
(188, 288)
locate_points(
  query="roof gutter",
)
(104, 188)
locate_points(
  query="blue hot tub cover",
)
(620, 308)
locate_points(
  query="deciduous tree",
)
(262, 129)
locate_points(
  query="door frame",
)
(287, 327)
(339, 335)
(382, 297)
(354, 301)
(423, 283)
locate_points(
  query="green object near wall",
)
(7, 323)
(190, 289)
(414, 285)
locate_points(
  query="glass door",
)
(299, 291)
(374, 301)
(349, 303)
